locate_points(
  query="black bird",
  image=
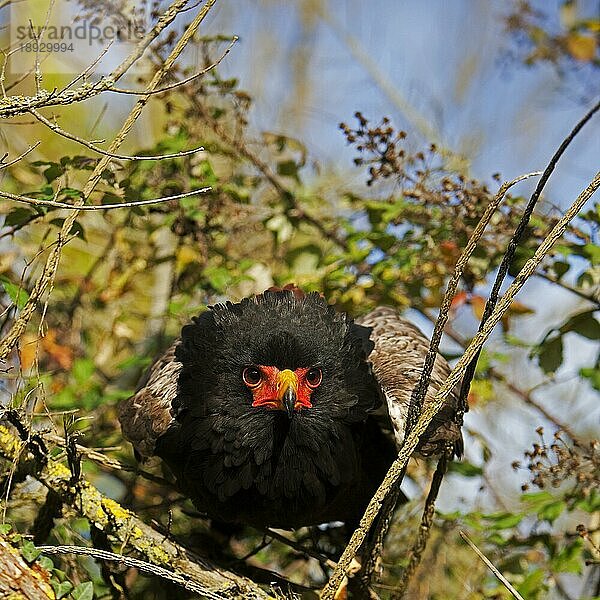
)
(280, 411)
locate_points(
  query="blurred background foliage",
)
(385, 226)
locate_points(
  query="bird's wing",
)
(397, 360)
(146, 415)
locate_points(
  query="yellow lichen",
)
(115, 509)
(9, 443)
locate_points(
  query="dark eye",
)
(314, 377)
(252, 376)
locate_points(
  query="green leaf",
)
(76, 228)
(593, 374)
(288, 168)
(569, 559)
(584, 324)
(551, 511)
(550, 354)
(533, 583)
(83, 369)
(592, 252)
(560, 268)
(62, 589)
(464, 468)
(83, 591)
(5, 528)
(15, 292)
(591, 504)
(504, 520)
(30, 552)
(18, 216)
(53, 172)
(46, 563)
(535, 500)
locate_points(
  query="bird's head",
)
(281, 352)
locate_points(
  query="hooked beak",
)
(289, 401)
(287, 388)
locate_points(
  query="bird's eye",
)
(252, 376)
(314, 377)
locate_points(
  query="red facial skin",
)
(269, 391)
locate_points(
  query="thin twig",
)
(89, 68)
(4, 165)
(104, 460)
(51, 265)
(185, 81)
(70, 136)
(19, 105)
(515, 240)
(491, 567)
(593, 296)
(420, 390)
(78, 207)
(416, 553)
(528, 398)
(300, 548)
(127, 530)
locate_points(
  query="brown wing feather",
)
(146, 415)
(397, 359)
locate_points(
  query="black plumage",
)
(237, 453)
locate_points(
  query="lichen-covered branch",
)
(125, 529)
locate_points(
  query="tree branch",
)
(127, 530)
(491, 567)
(78, 207)
(394, 473)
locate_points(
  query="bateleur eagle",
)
(281, 411)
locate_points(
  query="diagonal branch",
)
(395, 472)
(92, 207)
(491, 567)
(75, 138)
(129, 531)
(516, 238)
(13, 106)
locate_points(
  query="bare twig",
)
(300, 548)
(527, 398)
(89, 68)
(18, 105)
(525, 395)
(78, 207)
(128, 531)
(395, 472)
(5, 165)
(420, 390)
(491, 567)
(593, 296)
(418, 395)
(106, 461)
(70, 136)
(516, 238)
(185, 81)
